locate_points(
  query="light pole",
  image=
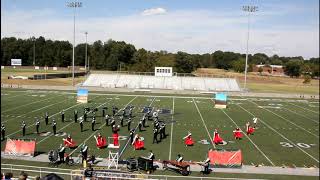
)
(85, 61)
(74, 5)
(34, 50)
(248, 9)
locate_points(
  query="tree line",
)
(111, 55)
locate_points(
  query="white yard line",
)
(29, 104)
(171, 129)
(100, 127)
(304, 108)
(204, 124)
(250, 139)
(123, 149)
(12, 96)
(35, 110)
(301, 115)
(48, 117)
(280, 134)
(285, 119)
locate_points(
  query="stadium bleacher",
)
(154, 82)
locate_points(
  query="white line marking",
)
(171, 129)
(100, 126)
(287, 120)
(29, 104)
(302, 115)
(304, 108)
(249, 139)
(70, 123)
(12, 96)
(23, 115)
(280, 134)
(203, 123)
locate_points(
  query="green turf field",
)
(287, 134)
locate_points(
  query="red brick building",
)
(269, 69)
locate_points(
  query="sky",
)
(283, 27)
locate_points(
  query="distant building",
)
(269, 69)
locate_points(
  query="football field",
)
(287, 132)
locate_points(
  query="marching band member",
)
(149, 114)
(84, 152)
(62, 115)
(68, 142)
(93, 122)
(131, 135)
(179, 158)
(23, 126)
(129, 124)
(237, 133)
(121, 121)
(81, 124)
(75, 116)
(46, 118)
(104, 109)
(250, 130)
(54, 127)
(216, 137)
(155, 135)
(3, 132)
(62, 150)
(101, 141)
(113, 122)
(106, 118)
(37, 125)
(255, 120)
(140, 125)
(152, 157)
(188, 140)
(155, 115)
(137, 143)
(115, 137)
(206, 166)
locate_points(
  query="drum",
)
(53, 156)
(145, 164)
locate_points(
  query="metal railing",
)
(78, 174)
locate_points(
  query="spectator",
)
(8, 176)
(23, 176)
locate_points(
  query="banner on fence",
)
(18, 147)
(225, 158)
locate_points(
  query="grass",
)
(294, 122)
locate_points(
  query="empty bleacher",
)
(154, 82)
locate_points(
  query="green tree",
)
(293, 68)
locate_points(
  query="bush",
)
(307, 79)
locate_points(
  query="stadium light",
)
(34, 50)
(249, 9)
(74, 5)
(85, 61)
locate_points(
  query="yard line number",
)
(302, 145)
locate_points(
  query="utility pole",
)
(74, 5)
(86, 56)
(249, 9)
(34, 51)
